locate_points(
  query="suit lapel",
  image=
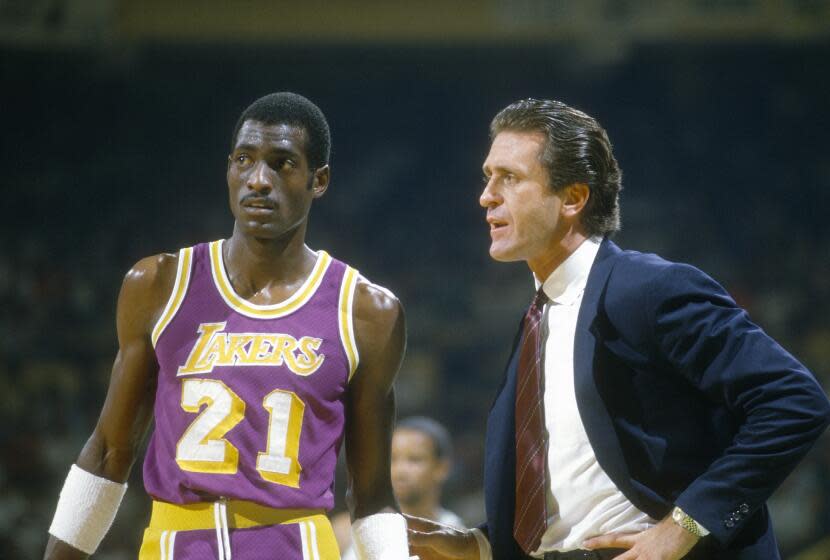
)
(500, 463)
(595, 416)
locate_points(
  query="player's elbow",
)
(107, 459)
(118, 463)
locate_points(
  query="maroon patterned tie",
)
(531, 446)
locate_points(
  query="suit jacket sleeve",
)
(699, 332)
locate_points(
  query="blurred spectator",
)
(421, 464)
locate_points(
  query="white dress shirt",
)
(582, 500)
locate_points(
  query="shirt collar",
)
(567, 282)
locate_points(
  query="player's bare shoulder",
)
(145, 290)
(376, 307)
(380, 330)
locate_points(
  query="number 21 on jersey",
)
(203, 448)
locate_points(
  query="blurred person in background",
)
(642, 414)
(421, 464)
(253, 356)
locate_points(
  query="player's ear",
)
(574, 198)
(321, 181)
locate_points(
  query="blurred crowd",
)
(724, 159)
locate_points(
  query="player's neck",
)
(264, 261)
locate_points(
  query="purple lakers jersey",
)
(250, 398)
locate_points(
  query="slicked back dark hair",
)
(433, 430)
(291, 108)
(577, 150)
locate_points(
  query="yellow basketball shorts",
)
(236, 530)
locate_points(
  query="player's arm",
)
(94, 488)
(380, 332)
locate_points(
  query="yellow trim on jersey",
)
(177, 295)
(346, 322)
(243, 306)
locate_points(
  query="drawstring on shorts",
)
(223, 539)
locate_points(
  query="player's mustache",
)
(259, 198)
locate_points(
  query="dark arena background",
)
(116, 122)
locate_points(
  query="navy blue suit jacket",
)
(685, 401)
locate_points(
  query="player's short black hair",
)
(285, 107)
(577, 150)
(441, 440)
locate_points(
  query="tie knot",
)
(540, 299)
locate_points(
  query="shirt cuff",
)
(484, 550)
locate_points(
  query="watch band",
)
(681, 518)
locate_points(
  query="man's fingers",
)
(435, 541)
(438, 542)
(611, 540)
(420, 539)
(443, 544)
(426, 554)
(421, 524)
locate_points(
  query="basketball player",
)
(254, 356)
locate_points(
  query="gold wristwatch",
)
(681, 518)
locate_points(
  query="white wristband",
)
(381, 536)
(86, 508)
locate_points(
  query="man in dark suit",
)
(642, 414)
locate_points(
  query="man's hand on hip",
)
(434, 541)
(664, 541)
